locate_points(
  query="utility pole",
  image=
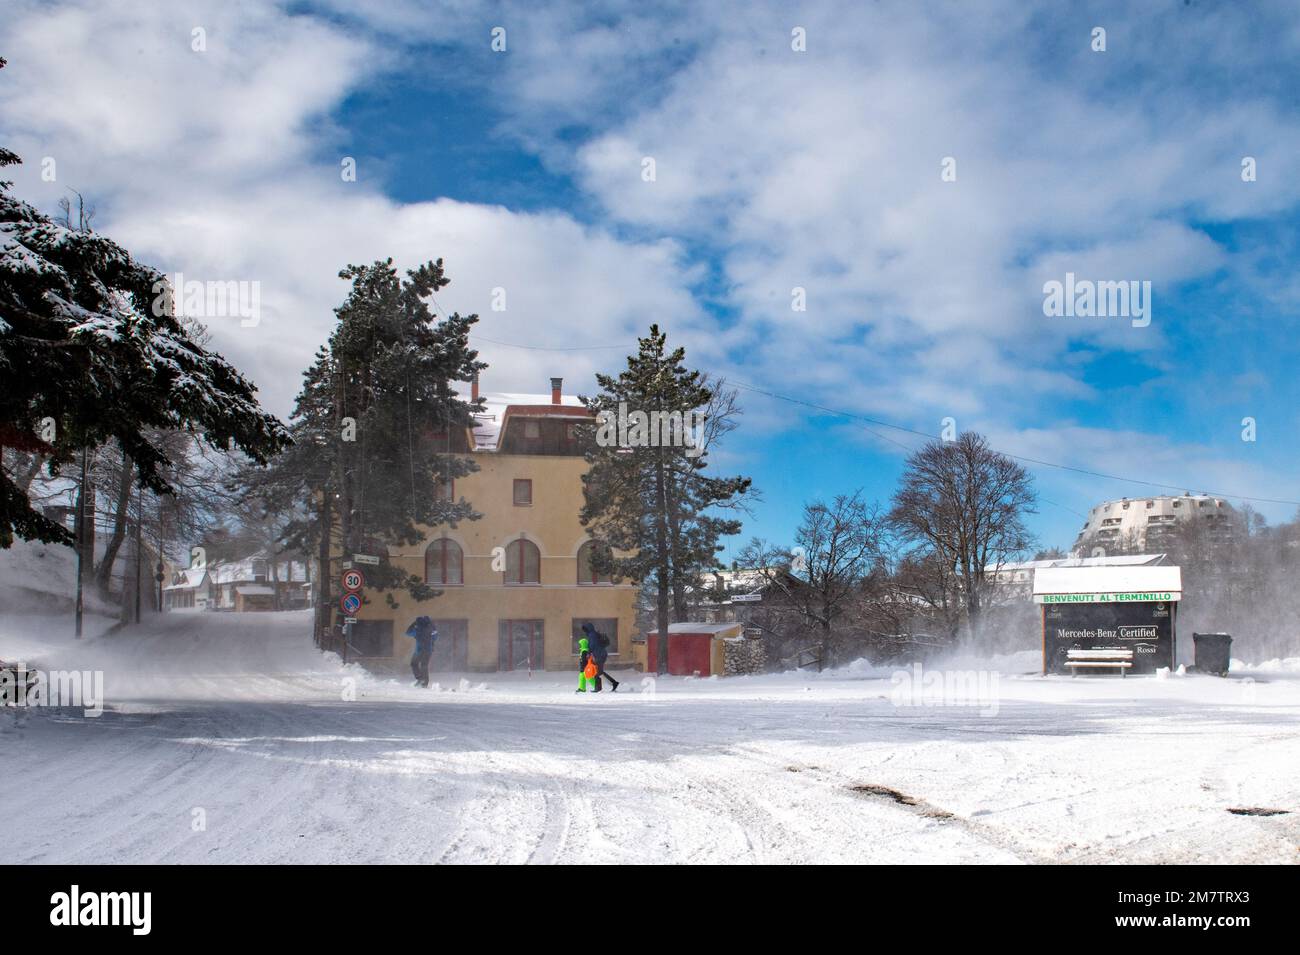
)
(158, 573)
(81, 542)
(139, 548)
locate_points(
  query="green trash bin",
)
(1212, 651)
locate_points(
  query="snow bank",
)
(1276, 665)
(38, 593)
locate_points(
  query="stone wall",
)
(744, 654)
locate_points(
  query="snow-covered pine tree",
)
(378, 425)
(86, 346)
(653, 507)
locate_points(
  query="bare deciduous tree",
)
(967, 502)
(818, 582)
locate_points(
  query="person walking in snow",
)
(425, 633)
(599, 644)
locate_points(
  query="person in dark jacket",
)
(600, 653)
(425, 633)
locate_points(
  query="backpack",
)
(602, 639)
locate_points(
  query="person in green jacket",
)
(584, 654)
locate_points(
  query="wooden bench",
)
(1121, 660)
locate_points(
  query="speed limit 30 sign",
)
(353, 580)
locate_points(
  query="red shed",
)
(692, 647)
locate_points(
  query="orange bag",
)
(590, 671)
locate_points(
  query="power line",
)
(922, 434)
(493, 341)
(1016, 457)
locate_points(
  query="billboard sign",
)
(1145, 627)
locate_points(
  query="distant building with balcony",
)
(1146, 524)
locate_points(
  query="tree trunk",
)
(344, 466)
(827, 634)
(104, 573)
(662, 621)
(661, 541)
(86, 516)
(24, 480)
(681, 612)
(323, 572)
(675, 550)
(275, 582)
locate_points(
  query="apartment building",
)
(1146, 524)
(517, 585)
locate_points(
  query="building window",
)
(607, 626)
(533, 437)
(444, 563)
(523, 563)
(372, 638)
(587, 574)
(521, 645)
(451, 649)
(523, 492)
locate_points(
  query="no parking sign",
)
(350, 603)
(353, 580)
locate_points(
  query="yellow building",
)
(517, 584)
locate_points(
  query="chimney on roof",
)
(556, 385)
(473, 388)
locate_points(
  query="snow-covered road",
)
(284, 755)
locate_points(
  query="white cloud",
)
(822, 170)
(206, 163)
(775, 169)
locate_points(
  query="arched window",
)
(444, 563)
(587, 574)
(523, 563)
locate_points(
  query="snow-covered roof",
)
(254, 590)
(487, 429)
(1117, 583)
(746, 580)
(190, 578)
(1117, 560)
(234, 571)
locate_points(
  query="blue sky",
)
(775, 169)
